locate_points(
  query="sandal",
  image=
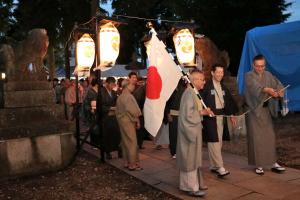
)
(196, 194)
(277, 168)
(204, 187)
(135, 169)
(222, 172)
(259, 171)
(214, 169)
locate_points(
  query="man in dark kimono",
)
(140, 96)
(111, 132)
(172, 110)
(89, 112)
(215, 129)
(259, 85)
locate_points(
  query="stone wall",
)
(33, 155)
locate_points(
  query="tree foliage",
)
(224, 21)
(31, 14)
(6, 8)
(56, 16)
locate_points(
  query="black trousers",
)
(141, 133)
(173, 129)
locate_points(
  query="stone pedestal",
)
(34, 135)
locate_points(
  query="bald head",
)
(126, 84)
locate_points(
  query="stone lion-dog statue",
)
(23, 61)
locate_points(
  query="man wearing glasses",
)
(259, 85)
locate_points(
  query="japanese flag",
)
(162, 79)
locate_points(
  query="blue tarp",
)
(280, 44)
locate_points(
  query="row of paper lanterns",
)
(109, 45)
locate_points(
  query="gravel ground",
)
(85, 179)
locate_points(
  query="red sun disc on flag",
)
(154, 83)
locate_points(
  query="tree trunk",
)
(51, 60)
(67, 62)
(94, 7)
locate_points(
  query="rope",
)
(249, 110)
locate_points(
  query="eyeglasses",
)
(260, 66)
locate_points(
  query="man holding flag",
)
(163, 77)
(189, 141)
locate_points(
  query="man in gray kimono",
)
(189, 139)
(128, 113)
(259, 85)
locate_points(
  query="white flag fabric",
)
(162, 79)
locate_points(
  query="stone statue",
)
(210, 54)
(24, 60)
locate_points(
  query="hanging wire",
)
(151, 19)
(75, 27)
(87, 21)
(124, 16)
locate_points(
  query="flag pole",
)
(185, 76)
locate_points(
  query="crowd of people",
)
(121, 104)
(190, 122)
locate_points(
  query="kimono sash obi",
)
(174, 112)
(219, 111)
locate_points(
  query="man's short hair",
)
(110, 79)
(193, 72)
(119, 82)
(258, 57)
(214, 67)
(196, 71)
(132, 74)
(94, 82)
(125, 83)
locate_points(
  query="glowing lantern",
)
(3, 76)
(184, 46)
(109, 44)
(85, 54)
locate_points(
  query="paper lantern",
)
(85, 54)
(3, 76)
(184, 46)
(109, 45)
